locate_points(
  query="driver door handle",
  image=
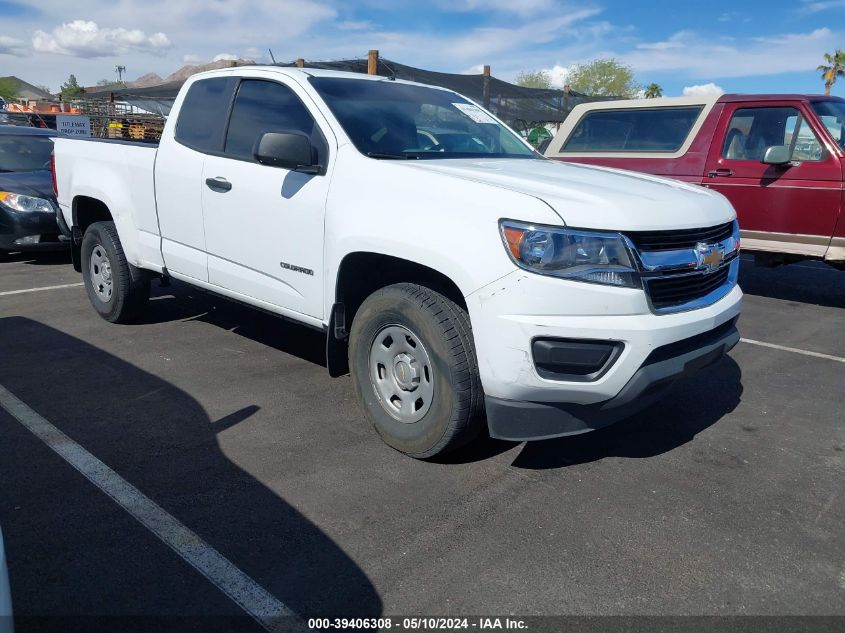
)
(720, 172)
(218, 184)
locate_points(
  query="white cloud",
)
(518, 7)
(703, 90)
(558, 75)
(491, 40)
(355, 25)
(814, 6)
(82, 38)
(225, 56)
(674, 42)
(473, 70)
(11, 46)
(701, 57)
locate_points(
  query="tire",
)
(118, 291)
(413, 364)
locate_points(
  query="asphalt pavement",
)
(726, 498)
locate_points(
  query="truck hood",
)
(593, 197)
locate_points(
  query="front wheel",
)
(117, 290)
(413, 364)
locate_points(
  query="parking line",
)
(243, 590)
(794, 350)
(20, 292)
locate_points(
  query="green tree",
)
(538, 79)
(71, 89)
(603, 78)
(833, 68)
(8, 89)
(653, 91)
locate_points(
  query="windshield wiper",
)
(405, 156)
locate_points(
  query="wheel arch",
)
(359, 274)
(85, 210)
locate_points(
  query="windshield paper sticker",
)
(474, 112)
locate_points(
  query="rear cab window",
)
(202, 118)
(633, 130)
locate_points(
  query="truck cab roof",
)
(734, 98)
(706, 100)
(304, 73)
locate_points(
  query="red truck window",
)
(752, 130)
(633, 130)
(832, 116)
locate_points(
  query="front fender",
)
(448, 224)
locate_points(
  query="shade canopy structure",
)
(520, 107)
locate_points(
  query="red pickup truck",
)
(779, 159)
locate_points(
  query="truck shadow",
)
(181, 302)
(162, 441)
(691, 406)
(806, 282)
(47, 258)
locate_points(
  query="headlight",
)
(601, 258)
(20, 202)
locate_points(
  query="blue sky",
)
(752, 46)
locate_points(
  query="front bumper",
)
(32, 231)
(520, 421)
(522, 307)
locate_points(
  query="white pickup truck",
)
(459, 277)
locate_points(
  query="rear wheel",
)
(413, 364)
(117, 290)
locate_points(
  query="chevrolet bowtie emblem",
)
(709, 256)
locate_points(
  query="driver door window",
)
(752, 130)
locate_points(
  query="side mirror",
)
(289, 150)
(776, 155)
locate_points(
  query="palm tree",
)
(832, 69)
(653, 91)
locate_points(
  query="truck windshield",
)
(25, 153)
(394, 120)
(832, 116)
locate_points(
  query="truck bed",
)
(118, 173)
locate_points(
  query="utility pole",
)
(120, 70)
(372, 62)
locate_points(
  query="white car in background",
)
(5, 595)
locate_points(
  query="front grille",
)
(675, 240)
(668, 292)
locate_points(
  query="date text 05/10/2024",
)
(418, 623)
